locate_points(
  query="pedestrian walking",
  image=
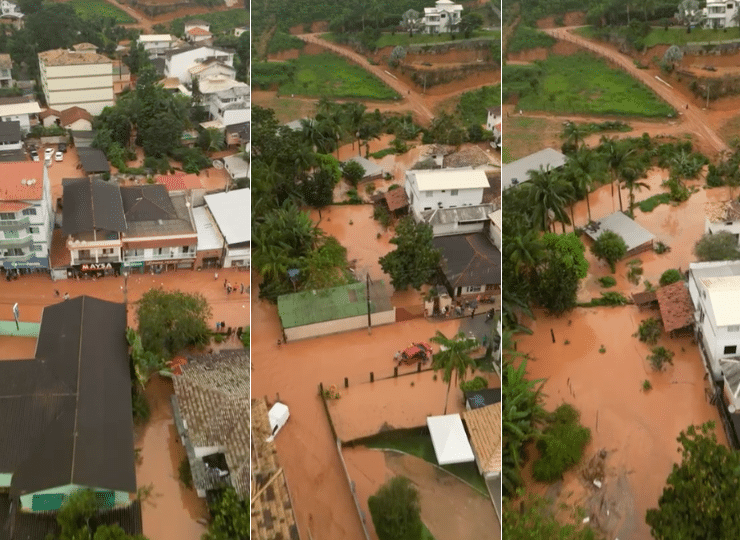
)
(218, 326)
(215, 276)
(226, 282)
(56, 293)
(472, 313)
(66, 296)
(242, 290)
(229, 288)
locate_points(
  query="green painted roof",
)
(310, 307)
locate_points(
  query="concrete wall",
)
(454, 228)
(341, 325)
(121, 497)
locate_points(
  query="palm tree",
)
(579, 171)
(574, 134)
(313, 134)
(548, 192)
(524, 252)
(354, 114)
(618, 158)
(453, 357)
(631, 178)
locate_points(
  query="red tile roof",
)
(676, 308)
(49, 112)
(7, 206)
(60, 257)
(179, 182)
(11, 186)
(198, 32)
(396, 199)
(71, 115)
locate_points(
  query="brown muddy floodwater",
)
(171, 512)
(306, 450)
(17, 348)
(637, 428)
(450, 509)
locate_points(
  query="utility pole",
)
(367, 294)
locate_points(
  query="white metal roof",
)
(449, 439)
(724, 295)
(231, 212)
(149, 38)
(236, 166)
(208, 235)
(517, 171)
(432, 180)
(12, 109)
(633, 234)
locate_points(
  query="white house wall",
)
(341, 325)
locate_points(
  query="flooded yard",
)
(17, 348)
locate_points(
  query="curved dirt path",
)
(694, 119)
(411, 98)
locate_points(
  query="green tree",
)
(560, 445)
(556, 285)
(169, 321)
(469, 23)
(670, 276)
(453, 357)
(353, 172)
(396, 511)
(415, 261)
(618, 157)
(76, 520)
(548, 192)
(114, 532)
(230, 517)
(318, 189)
(610, 247)
(137, 58)
(721, 246)
(699, 491)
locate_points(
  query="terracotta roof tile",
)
(196, 31)
(396, 199)
(11, 186)
(484, 426)
(676, 308)
(71, 115)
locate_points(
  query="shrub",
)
(659, 357)
(610, 247)
(382, 215)
(635, 271)
(607, 281)
(245, 337)
(648, 331)
(561, 444)
(140, 407)
(661, 248)
(721, 246)
(646, 385)
(478, 383)
(184, 473)
(609, 298)
(353, 197)
(353, 172)
(670, 276)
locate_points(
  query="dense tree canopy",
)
(230, 518)
(76, 520)
(610, 247)
(700, 492)
(396, 511)
(721, 246)
(415, 261)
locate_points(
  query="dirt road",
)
(694, 119)
(412, 99)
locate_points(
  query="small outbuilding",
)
(637, 237)
(449, 439)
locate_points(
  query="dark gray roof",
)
(14, 100)
(159, 65)
(10, 131)
(69, 408)
(90, 205)
(482, 398)
(147, 203)
(7, 156)
(241, 128)
(93, 160)
(470, 260)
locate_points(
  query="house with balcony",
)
(231, 212)
(160, 233)
(232, 106)
(26, 217)
(450, 200)
(212, 68)
(720, 13)
(444, 17)
(76, 78)
(10, 10)
(179, 61)
(157, 44)
(92, 223)
(6, 67)
(66, 416)
(22, 109)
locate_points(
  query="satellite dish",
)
(218, 164)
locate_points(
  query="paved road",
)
(411, 98)
(694, 119)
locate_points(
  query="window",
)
(453, 192)
(84, 254)
(12, 235)
(730, 349)
(733, 328)
(37, 247)
(186, 249)
(7, 216)
(429, 194)
(33, 230)
(159, 251)
(108, 251)
(29, 212)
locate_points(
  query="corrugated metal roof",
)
(633, 234)
(432, 180)
(231, 212)
(518, 170)
(724, 295)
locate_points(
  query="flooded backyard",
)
(17, 348)
(170, 512)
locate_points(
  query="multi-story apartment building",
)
(26, 217)
(72, 78)
(721, 13)
(442, 18)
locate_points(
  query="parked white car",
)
(48, 153)
(59, 156)
(278, 416)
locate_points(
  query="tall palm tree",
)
(313, 134)
(574, 134)
(453, 358)
(631, 178)
(617, 157)
(354, 115)
(548, 192)
(580, 172)
(524, 252)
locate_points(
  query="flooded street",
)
(306, 450)
(17, 348)
(473, 518)
(171, 512)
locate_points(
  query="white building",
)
(236, 166)
(179, 61)
(197, 31)
(493, 123)
(730, 226)
(495, 232)
(212, 68)
(26, 217)
(444, 188)
(519, 171)
(231, 211)
(230, 106)
(10, 9)
(157, 44)
(720, 13)
(6, 71)
(19, 109)
(82, 79)
(442, 18)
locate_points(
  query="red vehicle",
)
(417, 352)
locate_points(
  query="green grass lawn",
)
(580, 83)
(88, 9)
(506, 156)
(676, 36)
(402, 38)
(330, 75)
(472, 105)
(222, 21)
(425, 534)
(421, 446)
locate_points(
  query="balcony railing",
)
(101, 259)
(26, 241)
(17, 258)
(163, 257)
(13, 224)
